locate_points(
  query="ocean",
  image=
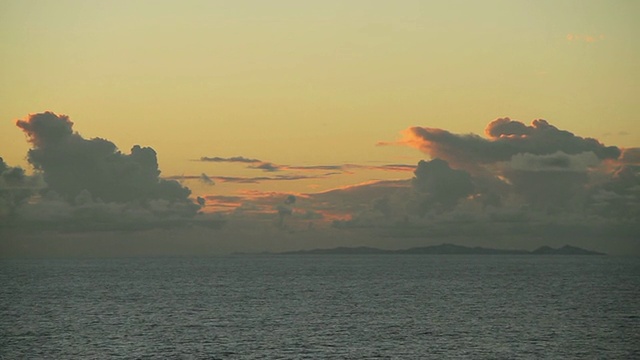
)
(322, 307)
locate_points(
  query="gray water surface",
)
(319, 307)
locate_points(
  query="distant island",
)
(444, 249)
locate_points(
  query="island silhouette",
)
(445, 249)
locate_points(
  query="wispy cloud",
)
(247, 179)
(235, 159)
(585, 37)
(268, 166)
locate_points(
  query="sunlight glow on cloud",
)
(505, 138)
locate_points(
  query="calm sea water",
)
(316, 307)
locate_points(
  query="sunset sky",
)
(302, 123)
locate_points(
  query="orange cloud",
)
(585, 38)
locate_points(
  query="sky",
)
(161, 127)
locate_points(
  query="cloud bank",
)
(517, 181)
(517, 186)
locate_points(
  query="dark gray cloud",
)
(506, 138)
(551, 190)
(285, 209)
(201, 201)
(204, 178)
(519, 181)
(267, 166)
(383, 205)
(619, 197)
(290, 200)
(558, 161)
(94, 175)
(440, 185)
(551, 181)
(533, 181)
(534, 165)
(11, 176)
(15, 188)
(630, 156)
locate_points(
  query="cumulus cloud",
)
(383, 205)
(619, 197)
(93, 173)
(630, 156)
(441, 185)
(505, 138)
(548, 190)
(551, 181)
(538, 164)
(531, 180)
(15, 188)
(534, 179)
(518, 180)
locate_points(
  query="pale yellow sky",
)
(320, 82)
